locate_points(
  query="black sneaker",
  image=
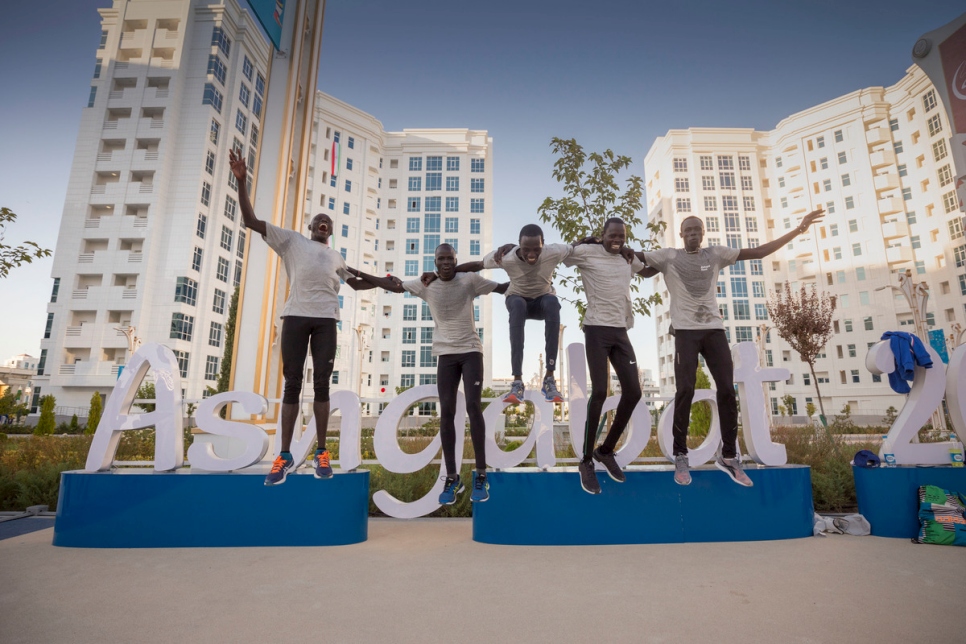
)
(588, 477)
(610, 464)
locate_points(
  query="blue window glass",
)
(476, 185)
(415, 184)
(412, 224)
(474, 226)
(433, 204)
(412, 268)
(412, 247)
(434, 164)
(434, 181)
(212, 97)
(345, 230)
(476, 205)
(348, 164)
(452, 164)
(452, 184)
(415, 164)
(412, 204)
(345, 208)
(331, 203)
(429, 263)
(432, 222)
(452, 224)
(474, 247)
(452, 204)
(476, 165)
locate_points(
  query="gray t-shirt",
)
(313, 271)
(607, 284)
(691, 282)
(531, 281)
(451, 303)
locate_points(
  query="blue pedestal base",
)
(532, 507)
(143, 509)
(887, 495)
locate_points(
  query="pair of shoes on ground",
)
(453, 486)
(282, 466)
(549, 391)
(588, 475)
(730, 466)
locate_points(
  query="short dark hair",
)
(444, 246)
(612, 220)
(531, 230)
(700, 221)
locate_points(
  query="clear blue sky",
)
(610, 74)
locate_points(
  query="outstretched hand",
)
(589, 240)
(811, 218)
(238, 166)
(627, 253)
(502, 251)
(395, 280)
(427, 278)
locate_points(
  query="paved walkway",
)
(426, 580)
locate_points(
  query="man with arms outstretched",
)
(459, 353)
(309, 317)
(691, 274)
(606, 276)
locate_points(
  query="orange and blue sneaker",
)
(451, 488)
(280, 469)
(323, 469)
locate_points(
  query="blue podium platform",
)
(532, 507)
(136, 508)
(887, 495)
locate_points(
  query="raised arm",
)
(240, 170)
(429, 277)
(389, 283)
(501, 289)
(358, 283)
(767, 249)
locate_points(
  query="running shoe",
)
(452, 487)
(549, 390)
(481, 488)
(515, 397)
(681, 474)
(280, 469)
(323, 469)
(610, 464)
(588, 477)
(732, 467)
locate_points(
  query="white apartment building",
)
(877, 160)
(396, 196)
(151, 243)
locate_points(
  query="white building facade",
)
(394, 198)
(877, 160)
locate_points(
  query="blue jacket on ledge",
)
(908, 351)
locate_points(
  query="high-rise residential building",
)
(394, 197)
(151, 243)
(877, 160)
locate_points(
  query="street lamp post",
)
(361, 338)
(917, 295)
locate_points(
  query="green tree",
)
(700, 411)
(890, 417)
(592, 196)
(487, 393)
(94, 413)
(47, 423)
(146, 392)
(810, 410)
(12, 257)
(224, 376)
(790, 404)
(804, 321)
(8, 402)
(74, 427)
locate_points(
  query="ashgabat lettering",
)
(750, 377)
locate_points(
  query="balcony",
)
(890, 205)
(898, 254)
(877, 135)
(79, 337)
(106, 370)
(882, 158)
(887, 181)
(895, 230)
(805, 271)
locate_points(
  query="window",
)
(741, 309)
(739, 287)
(867, 322)
(733, 240)
(409, 335)
(477, 165)
(434, 181)
(838, 136)
(412, 204)
(939, 151)
(784, 202)
(351, 143)
(950, 202)
(721, 290)
(959, 254)
(680, 164)
(746, 183)
(928, 100)
(226, 238)
(712, 224)
(476, 205)
(706, 163)
(415, 184)
(408, 358)
(744, 163)
(430, 242)
(186, 290)
(426, 357)
(683, 205)
(182, 326)
(241, 122)
(474, 247)
(412, 246)
(215, 334)
(743, 334)
(231, 206)
(415, 164)
(348, 186)
(849, 203)
(452, 164)
(820, 141)
(732, 222)
(955, 226)
(681, 184)
(945, 176)
(409, 312)
(476, 185)
(452, 225)
(727, 180)
(833, 230)
(433, 204)
(425, 314)
(452, 184)
(778, 162)
(749, 203)
(711, 203)
(846, 181)
(856, 249)
(202, 225)
(897, 147)
(452, 204)
(474, 226)
(757, 267)
(196, 259)
(345, 230)
(935, 125)
(411, 268)
(407, 380)
(707, 183)
(915, 241)
(222, 270)
(855, 375)
(331, 203)
(434, 164)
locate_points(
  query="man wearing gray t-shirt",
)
(691, 274)
(459, 354)
(309, 317)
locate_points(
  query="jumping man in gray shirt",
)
(691, 274)
(459, 353)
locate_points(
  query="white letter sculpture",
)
(202, 455)
(166, 417)
(541, 435)
(350, 432)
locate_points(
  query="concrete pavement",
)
(426, 580)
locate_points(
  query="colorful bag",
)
(942, 517)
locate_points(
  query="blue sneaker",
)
(280, 469)
(323, 469)
(453, 487)
(481, 488)
(515, 397)
(550, 392)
